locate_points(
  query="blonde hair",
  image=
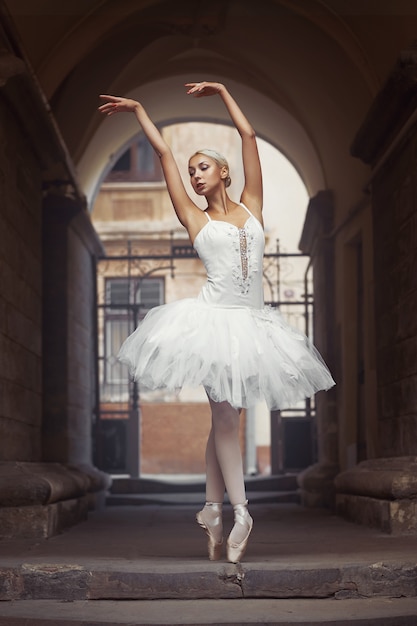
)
(219, 159)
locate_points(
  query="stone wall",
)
(383, 491)
(47, 313)
(20, 294)
(395, 226)
(387, 141)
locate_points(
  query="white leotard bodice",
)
(232, 258)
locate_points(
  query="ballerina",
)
(226, 339)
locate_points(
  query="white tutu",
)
(240, 354)
(226, 339)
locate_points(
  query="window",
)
(149, 294)
(138, 163)
(126, 302)
(124, 163)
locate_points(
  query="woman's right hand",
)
(205, 88)
(115, 104)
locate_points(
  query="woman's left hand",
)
(116, 104)
(205, 88)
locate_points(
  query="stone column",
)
(316, 482)
(383, 491)
(69, 364)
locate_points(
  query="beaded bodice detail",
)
(232, 257)
(244, 260)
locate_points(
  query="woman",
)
(226, 339)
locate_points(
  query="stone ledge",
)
(41, 522)
(381, 493)
(396, 517)
(25, 484)
(386, 478)
(41, 499)
(317, 485)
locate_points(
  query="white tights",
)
(224, 467)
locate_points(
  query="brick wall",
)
(174, 437)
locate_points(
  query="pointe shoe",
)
(214, 546)
(235, 551)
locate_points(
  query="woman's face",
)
(205, 174)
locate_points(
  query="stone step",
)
(192, 483)
(155, 552)
(369, 612)
(150, 580)
(196, 498)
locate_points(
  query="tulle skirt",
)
(239, 354)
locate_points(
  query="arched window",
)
(138, 163)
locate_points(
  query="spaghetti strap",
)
(208, 216)
(246, 208)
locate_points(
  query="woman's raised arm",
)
(184, 207)
(252, 194)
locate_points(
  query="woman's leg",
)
(224, 446)
(224, 469)
(210, 517)
(225, 435)
(214, 478)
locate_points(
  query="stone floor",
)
(302, 566)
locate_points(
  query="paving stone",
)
(369, 612)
